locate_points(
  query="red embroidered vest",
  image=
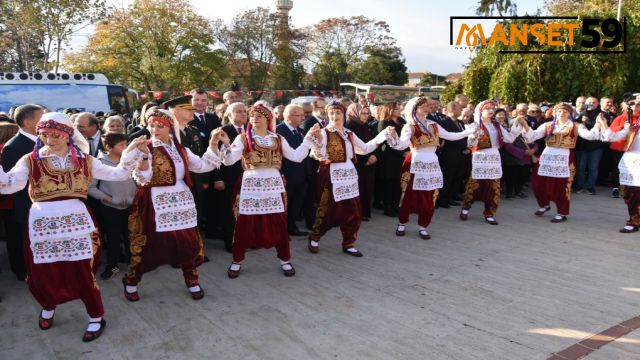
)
(164, 171)
(262, 157)
(48, 183)
(565, 139)
(484, 142)
(337, 147)
(420, 139)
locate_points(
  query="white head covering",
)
(77, 138)
(410, 109)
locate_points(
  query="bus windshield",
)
(57, 97)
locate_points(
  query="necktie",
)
(90, 141)
(239, 130)
(202, 118)
(296, 134)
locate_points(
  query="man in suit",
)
(237, 114)
(88, 125)
(318, 116)
(451, 156)
(296, 174)
(26, 116)
(204, 121)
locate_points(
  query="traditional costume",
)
(259, 203)
(421, 175)
(553, 174)
(486, 165)
(62, 249)
(163, 220)
(339, 201)
(629, 167)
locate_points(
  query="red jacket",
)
(617, 125)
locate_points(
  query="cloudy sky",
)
(420, 26)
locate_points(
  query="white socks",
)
(423, 231)
(465, 211)
(131, 289)
(401, 227)
(352, 250)
(94, 324)
(286, 266)
(47, 314)
(194, 288)
(626, 227)
(314, 243)
(542, 209)
(234, 267)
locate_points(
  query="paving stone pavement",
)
(525, 289)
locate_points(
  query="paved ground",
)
(525, 289)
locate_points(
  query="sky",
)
(420, 26)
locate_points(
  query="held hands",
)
(601, 122)
(140, 143)
(315, 130)
(216, 136)
(391, 132)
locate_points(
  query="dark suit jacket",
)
(451, 125)
(100, 148)
(190, 138)
(13, 150)
(309, 122)
(295, 173)
(211, 122)
(230, 174)
(391, 160)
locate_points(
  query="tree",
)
(382, 66)
(558, 77)
(503, 7)
(154, 45)
(39, 29)
(429, 79)
(335, 47)
(287, 71)
(249, 42)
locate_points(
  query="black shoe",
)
(542, 212)
(591, 191)
(454, 203)
(444, 205)
(522, 195)
(109, 272)
(615, 193)
(206, 259)
(558, 219)
(298, 232)
(624, 230)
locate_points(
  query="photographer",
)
(588, 152)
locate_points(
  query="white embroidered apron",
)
(344, 180)
(261, 192)
(60, 231)
(486, 164)
(554, 162)
(426, 169)
(629, 167)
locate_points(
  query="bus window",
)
(117, 99)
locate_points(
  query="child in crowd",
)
(116, 198)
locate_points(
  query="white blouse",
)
(16, 179)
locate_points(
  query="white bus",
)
(58, 91)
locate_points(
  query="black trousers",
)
(15, 244)
(514, 177)
(115, 231)
(616, 156)
(295, 200)
(391, 195)
(309, 204)
(366, 180)
(451, 164)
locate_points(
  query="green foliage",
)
(151, 45)
(517, 78)
(450, 92)
(383, 67)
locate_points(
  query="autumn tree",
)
(382, 66)
(248, 43)
(430, 79)
(337, 46)
(153, 44)
(40, 29)
(502, 7)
